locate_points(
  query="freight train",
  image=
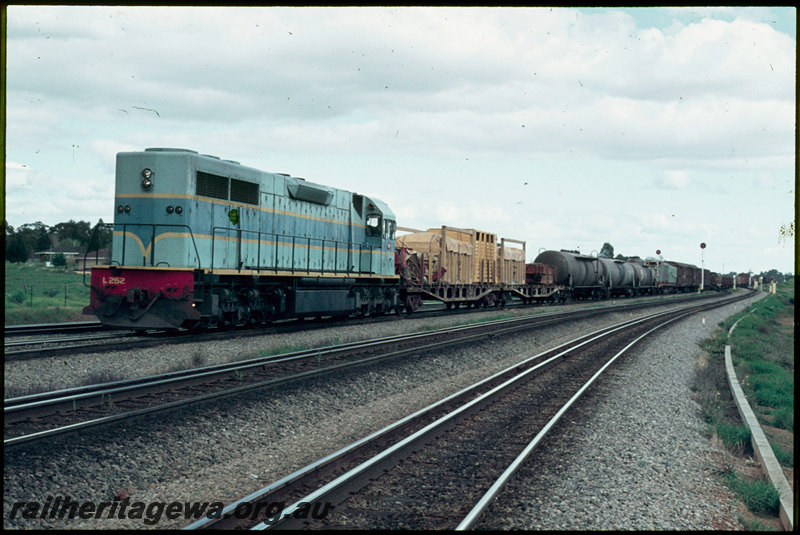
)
(199, 241)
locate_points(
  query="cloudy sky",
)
(649, 128)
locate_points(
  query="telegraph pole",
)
(702, 265)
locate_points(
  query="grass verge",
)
(38, 294)
(763, 354)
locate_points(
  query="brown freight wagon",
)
(510, 263)
(459, 265)
(688, 277)
(454, 256)
(464, 267)
(540, 274)
(743, 280)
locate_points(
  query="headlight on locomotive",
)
(147, 179)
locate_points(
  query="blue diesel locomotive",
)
(201, 241)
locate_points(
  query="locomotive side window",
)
(388, 232)
(373, 225)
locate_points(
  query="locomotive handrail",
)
(307, 241)
(153, 240)
(97, 251)
(124, 238)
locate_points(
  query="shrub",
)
(51, 292)
(734, 437)
(784, 418)
(18, 297)
(760, 497)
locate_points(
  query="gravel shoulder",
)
(223, 451)
(634, 455)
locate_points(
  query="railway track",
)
(440, 467)
(39, 416)
(41, 341)
(38, 328)
(25, 342)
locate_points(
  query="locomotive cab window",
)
(373, 225)
(389, 228)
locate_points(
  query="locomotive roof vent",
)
(308, 191)
(165, 149)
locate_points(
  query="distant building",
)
(47, 256)
(75, 258)
(95, 258)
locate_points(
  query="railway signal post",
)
(702, 264)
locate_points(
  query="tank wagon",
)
(198, 240)
(584, 276)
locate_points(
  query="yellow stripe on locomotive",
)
(199, 211)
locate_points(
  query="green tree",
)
(16, 249)
(59, 260)
(73, 233)
(42, 240)
(33, 235)
(606, 251)
(101, 237)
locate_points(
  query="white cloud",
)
(453, 104)
(675, 180)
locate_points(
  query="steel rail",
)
(37, 328)
(153, 337)
(472, 517)
(76, 393)
(85, 338)
(35, 405)
(414, 439)
(26, 407)
(359, 471)
(463, 394)
(108, 387)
